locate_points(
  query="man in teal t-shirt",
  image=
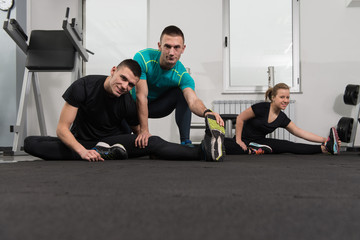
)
(165, 85)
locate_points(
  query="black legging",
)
(277, 145)
(165, 104)
(52, 148)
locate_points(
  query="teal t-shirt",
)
(159, 80)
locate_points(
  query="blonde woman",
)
(253, 124)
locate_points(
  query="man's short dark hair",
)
(132, 65)
(172, 31)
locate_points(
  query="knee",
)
(155, 141)
(28, 142)
(33, 143)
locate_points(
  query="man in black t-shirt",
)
(94, 109)
(100, 113)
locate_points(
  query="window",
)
(261, 45)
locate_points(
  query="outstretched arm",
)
(67, 117)
(240, 119)
(292, 128)
(143, 113)
(197, 106)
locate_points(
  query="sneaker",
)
(187, 143)
(257, 149)
(213, 143)
(114, 152)
(331, 143)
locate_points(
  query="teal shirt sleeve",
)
(141, 60)
(185, 79)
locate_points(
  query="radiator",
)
(237, 106)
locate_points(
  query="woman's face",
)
(282, 98)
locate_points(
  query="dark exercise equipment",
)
(351, 94)
(48, 51)
(347, 126)
(230, 122)
(344, 128)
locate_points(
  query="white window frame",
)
(227, 88)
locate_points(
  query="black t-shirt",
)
(99, 114)
(258, 127)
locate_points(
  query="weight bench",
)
(48, 51)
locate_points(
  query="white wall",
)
(330, 58)
(116, 37)
(201, 22)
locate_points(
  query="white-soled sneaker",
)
(257, 149)
(114, 152)
(213, 142)
(332, 143)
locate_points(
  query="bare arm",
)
(143, 113)
(67, 117)
(197, 106)
(240, 119)
(292, 128)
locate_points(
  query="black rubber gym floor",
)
(245, 197)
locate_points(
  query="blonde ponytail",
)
(268, 94)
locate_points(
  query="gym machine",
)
(47, 51)
(347, 126)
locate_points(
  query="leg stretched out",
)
(211, 149)
(52, 148)
(156, 146)
(277, 146)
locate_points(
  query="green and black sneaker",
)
(213, 143)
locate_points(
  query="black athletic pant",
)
(277, 145)
(165, 104)
(52, 148)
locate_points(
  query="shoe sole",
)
(103, 144)
(217, 139)
(121, 155)
(119, 145)
(336, 140)
(262, 146)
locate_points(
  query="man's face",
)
(122, 81)
(171, 48)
